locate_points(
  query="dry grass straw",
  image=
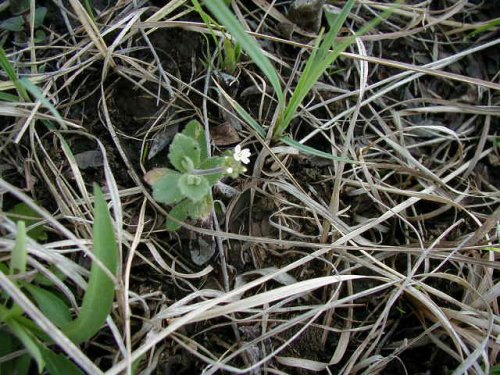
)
(375, 259)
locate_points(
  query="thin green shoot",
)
(28, 341)
(9, 70)
(89, 7)
(248, 43)
(38, 94)
(484, 28)
(229, 55)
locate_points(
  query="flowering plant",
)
(189, 185)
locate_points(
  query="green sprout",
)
(188, 187)
(20, 20)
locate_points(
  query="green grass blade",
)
(247, 117)
(248, 44)
(98, 299)
(19, 255)
(5, 97)
(320, 61)
(488, 26)
(209, 21)
(316, 65)
(312, 151)
(335, 23)
(9, 70)
(28, 341)
(38, 94)
(89, 7)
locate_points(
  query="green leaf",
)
(179, 212)
(58, 364)
(483, 28)
(40, 14)
(50, 304)
(201, 209)
(166, 189)
(184, 151)
(19, 6)
(40, 37)
(98, 299)
(31, 217)
(4, 268)
(13, 24)
(28, 341)
(491, 248)
(189, 209)
(137, 364)
(196, 131)
(19, 255)
(249, 44)
(14, 312)
(322, 57)
(194, 187)
(213, 162)
(28, 324)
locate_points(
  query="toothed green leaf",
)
(184, 153)
(166, 189)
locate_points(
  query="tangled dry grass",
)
(385, 265)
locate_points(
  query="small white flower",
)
(242, 155)
(229, 170)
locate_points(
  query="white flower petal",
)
(242, 155)
(245, 156)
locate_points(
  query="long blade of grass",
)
(5, 97)
(38, 94)
(28, 342)
(315, 67)
(312, 151)
(98, 299)
(319, 62)
(247, 117)
(249, 44)
(335, 23)
(9, 70)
